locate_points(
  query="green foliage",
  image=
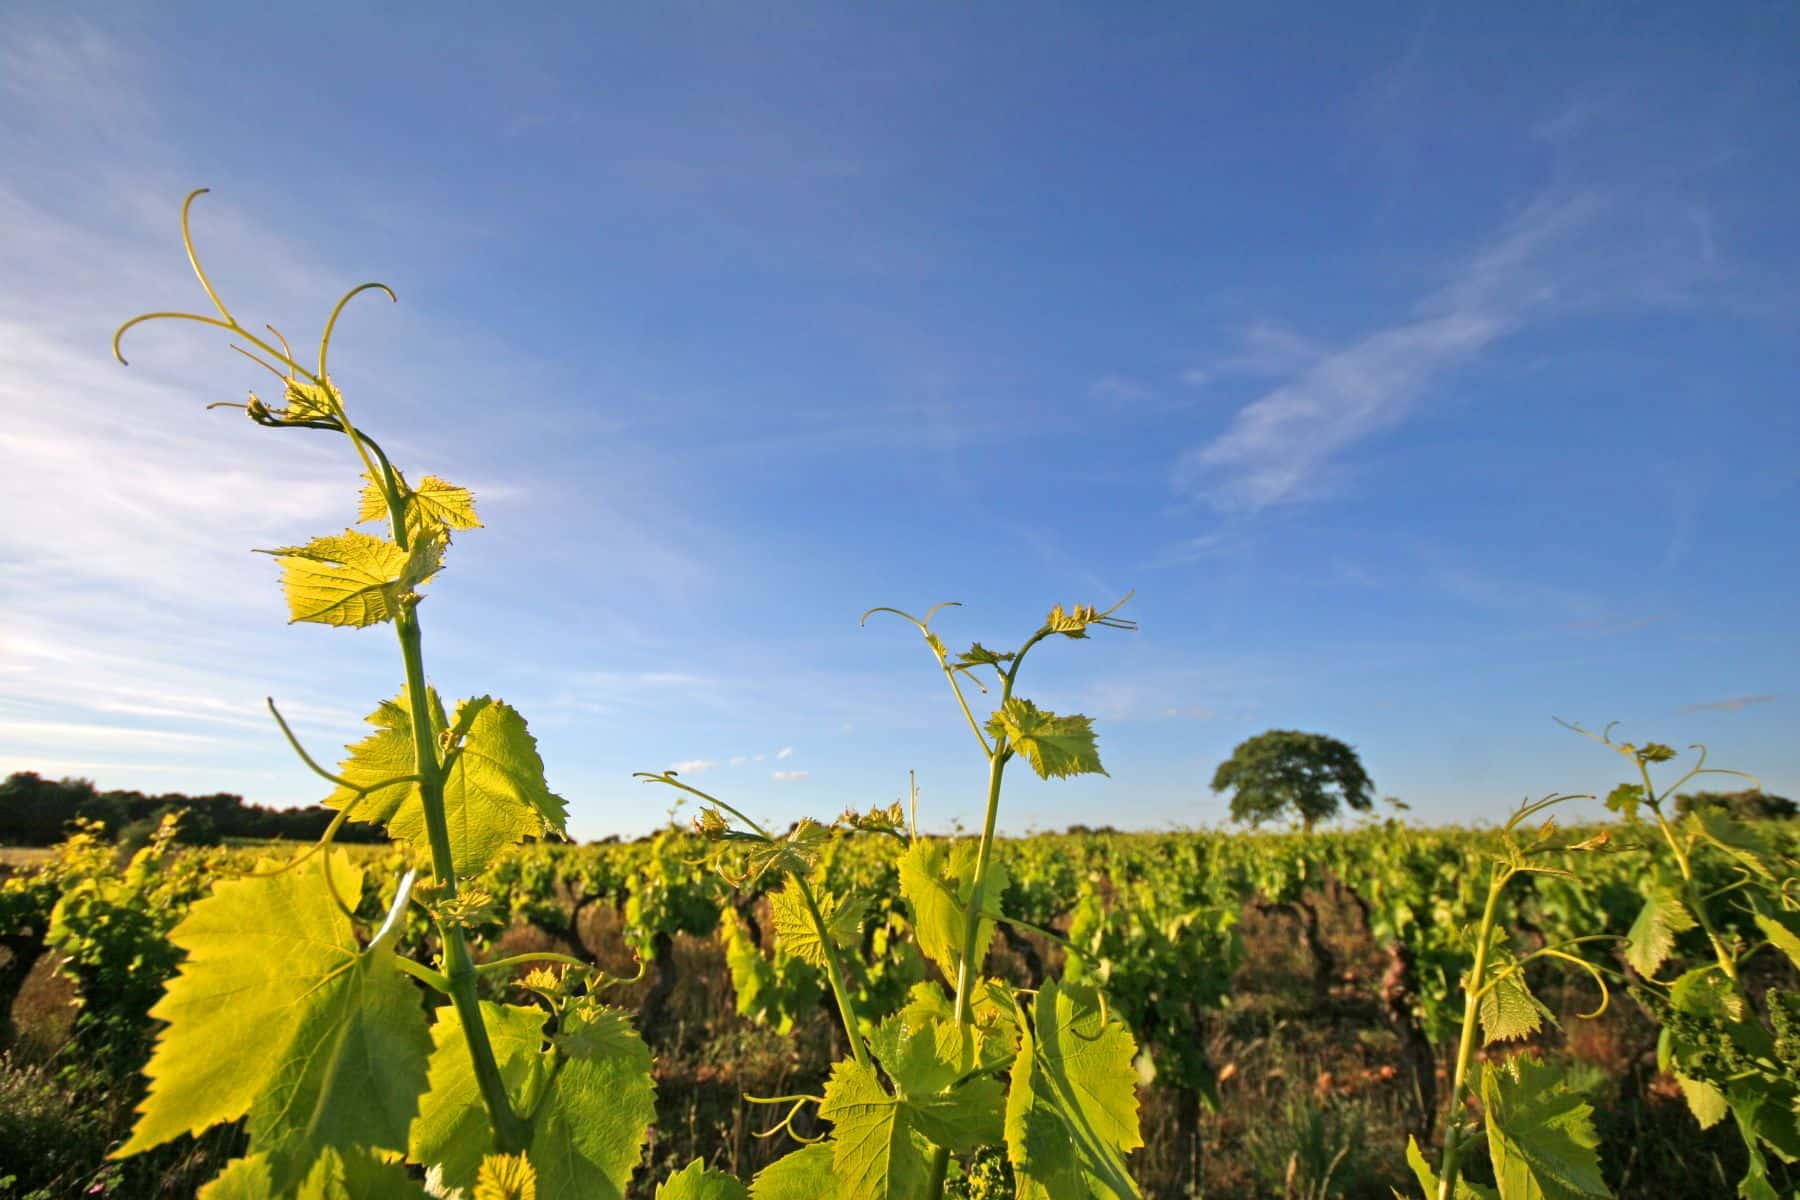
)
(1747, 804)
(1057, 747)
(353, 579)
(493, 785)
(279, 1013)
(1287, 774)
(1541, 1135)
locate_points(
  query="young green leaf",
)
(696, 1182)
(1071, 1109)
(806, 1174)
(353, 1175)
(795, 932)
(1540, 1134)
(1428, 1179)
(1782, 933)
(506, 1177)
(937, 879)
(452, 1130)
(352, 579)
(1738, 840)
(588, 1131)
(878, 1155)
(279, 1013)
(434, 504)
(494, 788)
(1057, 747)
(1704, 1100)
(1509, 1012)
(979, 655)
(925, 1063)
(1652, 936)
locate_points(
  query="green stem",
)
(510, 1133)
(1466, 1047)
(1695, 901)
(519, 960)
(424, 974)
(834, 972)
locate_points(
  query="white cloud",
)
(1729, 705)
(1563, 254)
(738, 760)
(693, 766)
(785, 752)
(789, 776)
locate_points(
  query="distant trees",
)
(36, 812)
(1287, 774)
(1751, 804)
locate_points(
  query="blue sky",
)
(1428, 374)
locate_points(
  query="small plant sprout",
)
(1722, 893)
(1540, 1134)
(285, 1012)
(925, 1084)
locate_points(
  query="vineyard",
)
(850, 1009)
(1296, 999)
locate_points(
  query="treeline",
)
(38, 812)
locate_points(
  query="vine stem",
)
(1465, 1049)
(1687, 876)
(834, 972)
(510, 1133)
(966, 967)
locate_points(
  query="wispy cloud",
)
(1562, 254)
(692, 766)
(1730, 704)
(788, 776)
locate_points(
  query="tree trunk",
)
(1398, 985)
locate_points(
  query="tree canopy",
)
(1751, 804)
(1287, 774)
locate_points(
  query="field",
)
(1295, 998)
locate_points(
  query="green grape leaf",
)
(937, 879)
(588, 1131)
(1057, 747)
(1508, 1010)
(1625, 799)
(806, 1174)
(795, 932)
(1735, 838)
(303, 401)
(1652, 935)
(357, 1175)
(280, 1014)
(1071, 1109)
(1540, 1134)
(1706, 992)
(1780, 931)
(695, 1182)
(242, 1179)
(1748, 1106)
(494, 788)
(925, 1062)
(1428, 1179)
(1704, 1100)
(435, 502)
(452, 1130)
(353, 579)
(878, 1155)
(790, 855)
(979, 655)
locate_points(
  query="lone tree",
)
(1283, 773)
